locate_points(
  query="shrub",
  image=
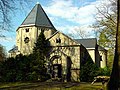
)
(88, 70)
(104, 71)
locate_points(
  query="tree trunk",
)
(114, 84)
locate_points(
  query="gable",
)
(60, 39)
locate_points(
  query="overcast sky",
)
(68, 16)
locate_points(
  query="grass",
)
(50, 86)
(15, 84)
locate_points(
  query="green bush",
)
(27, 68)
(88, 70)
(104, 71)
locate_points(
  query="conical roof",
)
(37, 17)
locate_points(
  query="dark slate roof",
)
(37, 17)
(87, 43)
(101, 48)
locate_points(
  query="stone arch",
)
(54, 57)
(55, 68)
(63, 65)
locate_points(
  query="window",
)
(27, 29)
(26, 40)
(58, 40)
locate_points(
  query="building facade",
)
(66, 54)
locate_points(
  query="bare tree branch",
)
(7, 9)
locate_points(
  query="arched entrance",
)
(55, 66)
(57, 71)
(60, 65)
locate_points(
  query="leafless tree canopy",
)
(7, 10)
(106, 22)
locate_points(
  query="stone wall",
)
(66, 48)
(31, 32)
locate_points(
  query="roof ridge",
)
(36, 12)
(45, 15)
(85, 38)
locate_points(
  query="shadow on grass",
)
(49, 86)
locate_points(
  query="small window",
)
(58, 40)
(27, 29)
(26, 40)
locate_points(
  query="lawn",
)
(50, 86)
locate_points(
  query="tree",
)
(114, 83)
(39, 55)
(88, 70)
(22, 67)
(2, 53)
(105, 27)
(7, 8)
(27, 68)
(15, 69)
(79, 31)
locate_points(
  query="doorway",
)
(69, 62)
(57, 71)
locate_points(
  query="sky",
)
(68, 16)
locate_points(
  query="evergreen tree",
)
(27, 68)
(88, 70)
(40, 50)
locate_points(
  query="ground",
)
(51, 86)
